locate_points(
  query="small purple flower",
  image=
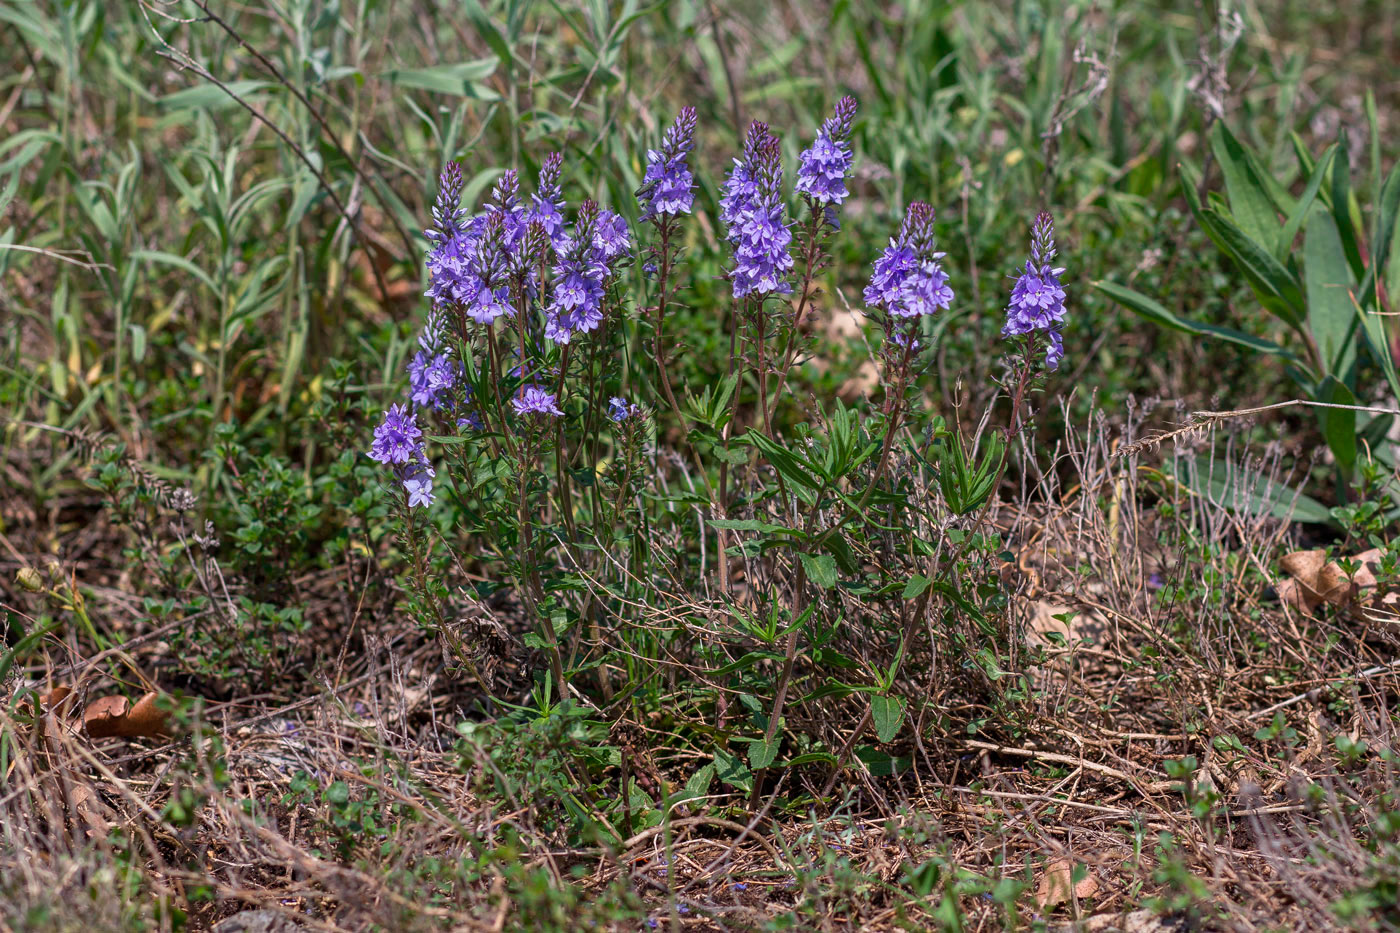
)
(1055, 352)
(668, 187)
(619, 409)
(1038, 299)
(418, 480)
(908, 280)
(430, 379)
(452, 277)
(536, 400)
(396, 439)
(822, 169)
(471, 421)
(753, 209)
(611, 238)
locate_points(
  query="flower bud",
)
(29, 579)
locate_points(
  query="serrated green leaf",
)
(762, 754)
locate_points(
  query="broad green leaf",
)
(821, 569)
(731, 769)
(1330, 316)
(762, 754)
(699, 783)
(888, 714)
(1338, 424)
(916, 586)
(882, 764)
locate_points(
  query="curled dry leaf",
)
(117, 716)
(1057, 885)
(1314, 580)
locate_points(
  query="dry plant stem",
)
(530, 585)
(812, 258)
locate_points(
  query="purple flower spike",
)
(1038, 298)
(668, 187)
(752, 207)
(536, 400)
(447, 210)
(547, 201)
(396, 439)
(577, 305)
(821, 173)
(908, 280)
(611, 238)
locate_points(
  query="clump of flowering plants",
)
(548, 468)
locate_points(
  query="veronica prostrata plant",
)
(543, 457)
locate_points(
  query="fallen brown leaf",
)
(117, 716)
(1057, 885)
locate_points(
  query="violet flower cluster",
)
(492, 266)
(668, 187)
(908, 281)
(822, 169)
(1038, 299)
(753, 212)
(581, 272)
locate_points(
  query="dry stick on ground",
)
(1154, 787)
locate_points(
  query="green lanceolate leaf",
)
(1305, 203)
(1277, 288)
(1338, 424)
(1244, 182)
(1330, 316)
